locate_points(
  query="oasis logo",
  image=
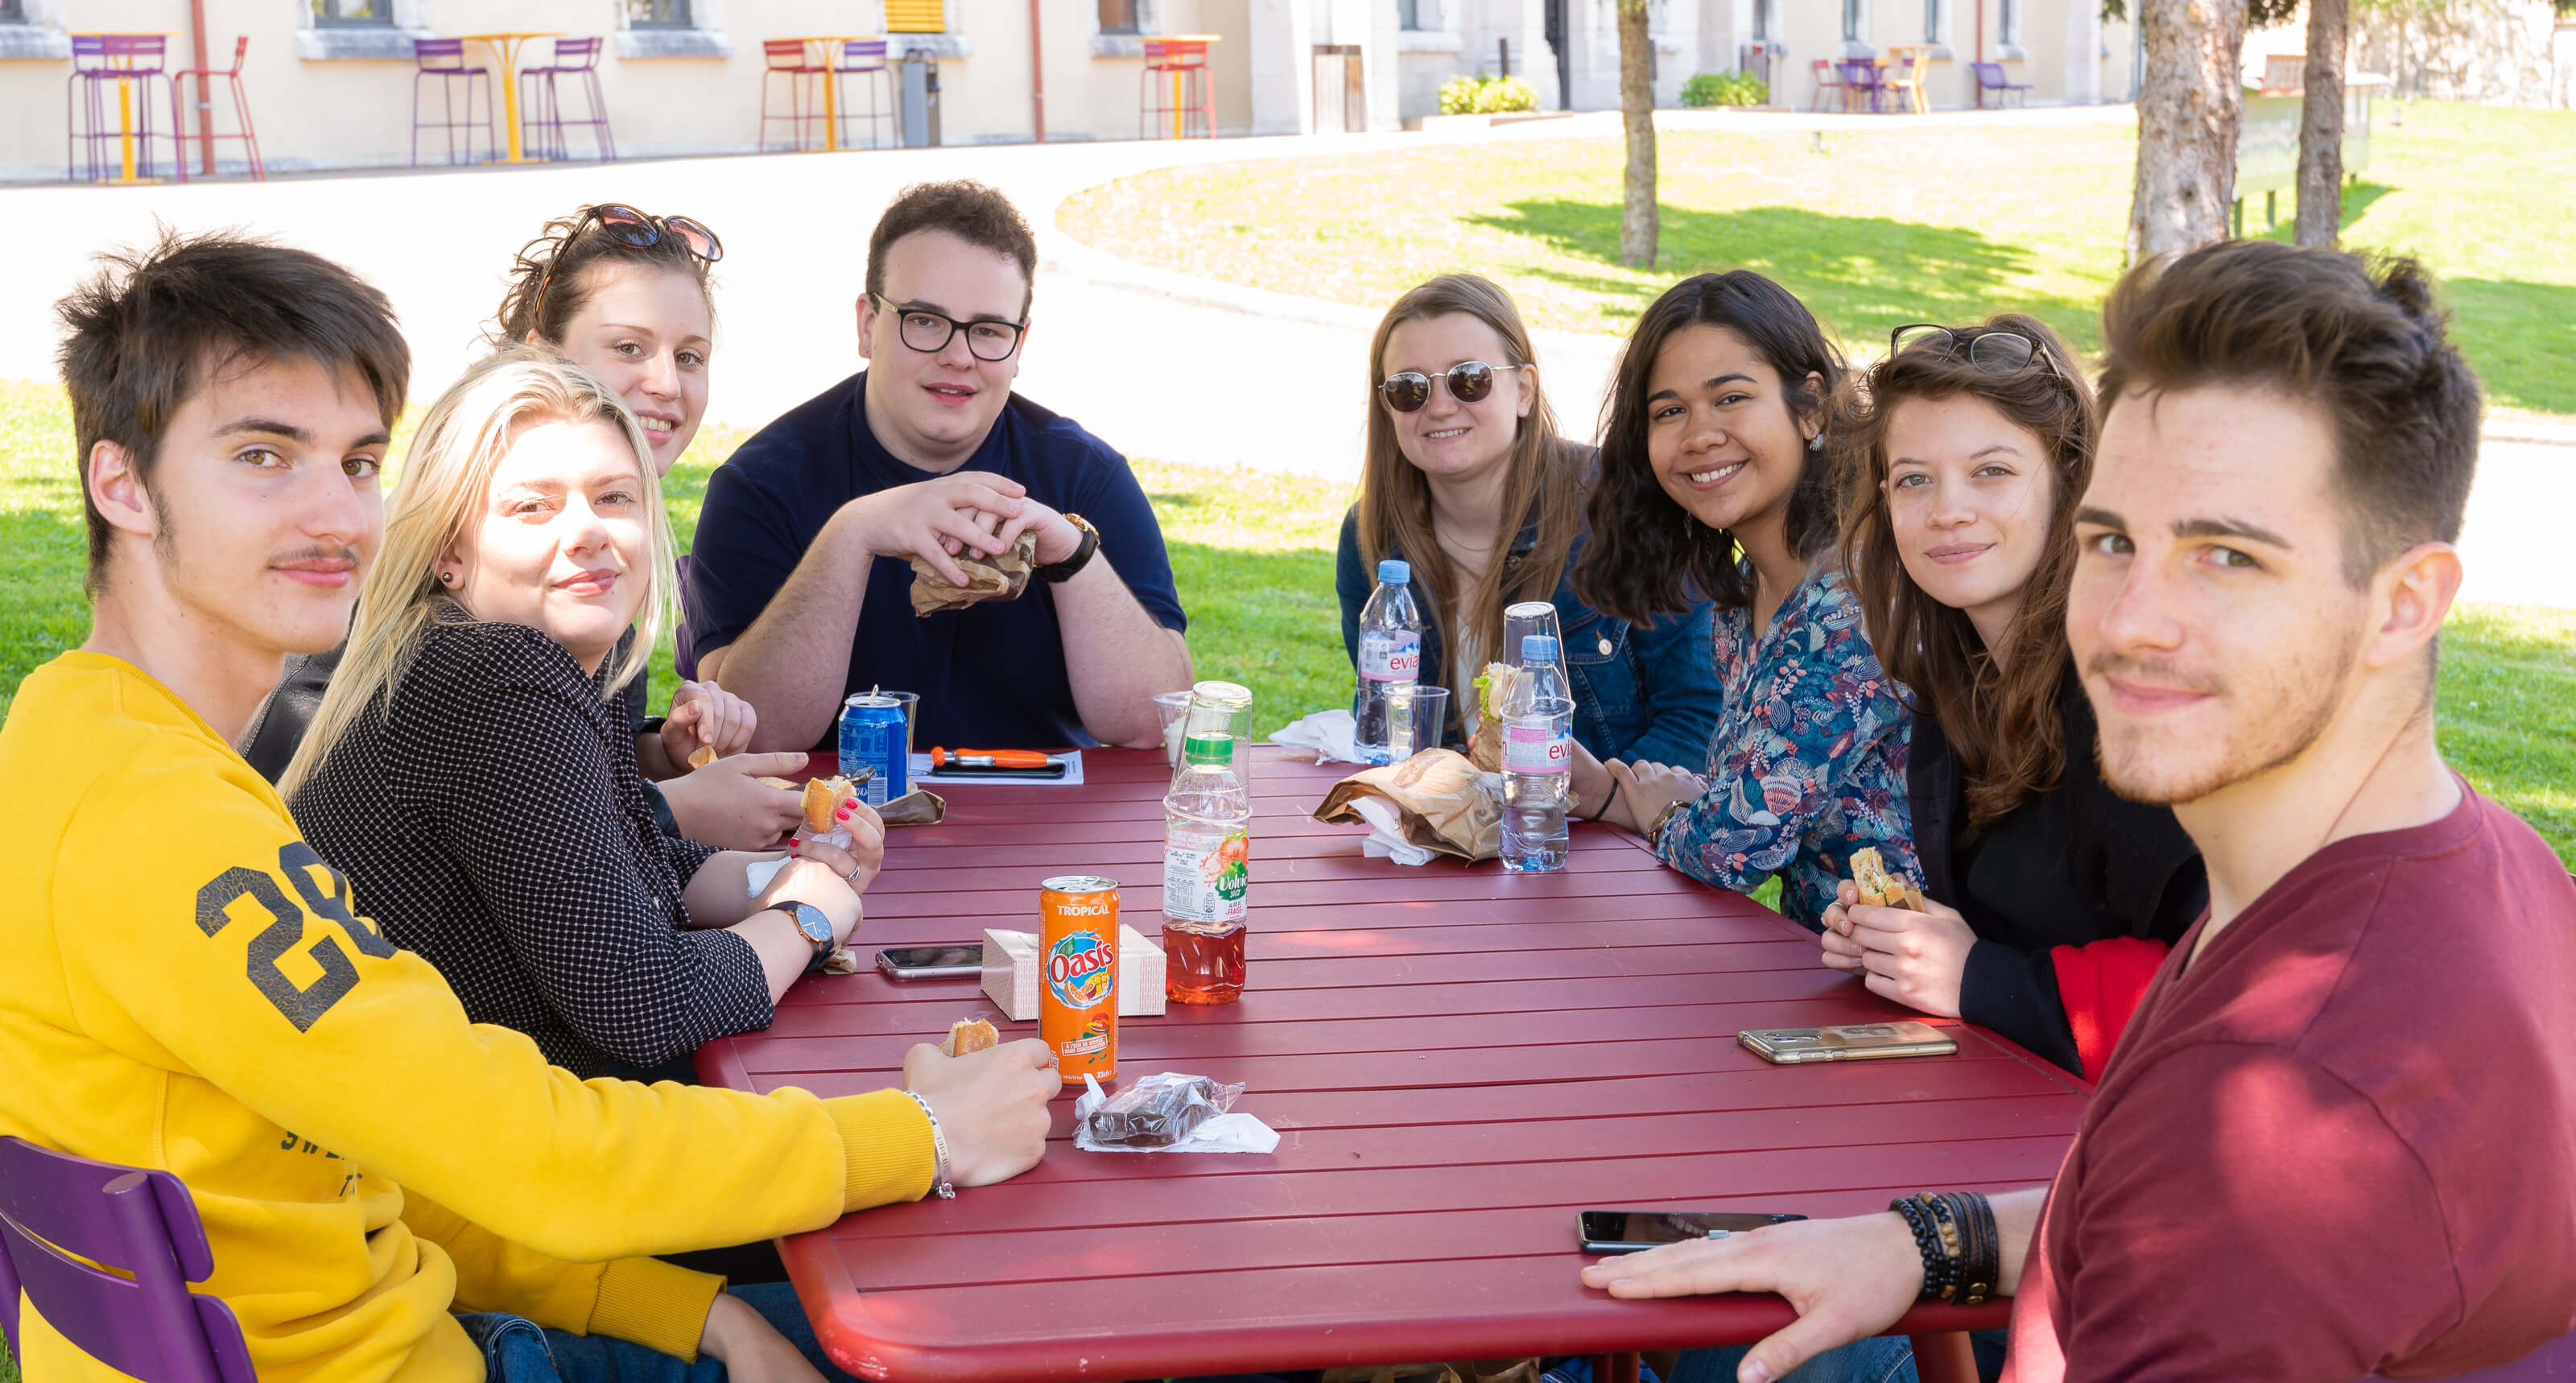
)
(1081, 968)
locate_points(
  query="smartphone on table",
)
(1850, 1042)
(1633, 1231)
(931, 962)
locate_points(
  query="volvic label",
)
(1208, 885)
(1389, 657)
(1530, 749)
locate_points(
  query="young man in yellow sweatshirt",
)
(184, 986)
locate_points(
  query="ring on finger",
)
(853, 876)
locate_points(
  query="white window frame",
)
(362, 42)
(37, 34)
(705, 36)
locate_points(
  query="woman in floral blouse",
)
(1715, 484)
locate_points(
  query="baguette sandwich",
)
(1879, 888)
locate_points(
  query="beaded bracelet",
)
(1939, 1268)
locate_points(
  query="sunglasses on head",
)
(1993, 350)
(635, 228)
(1409, 390)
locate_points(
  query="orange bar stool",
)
(785, 57)
(1179, 95)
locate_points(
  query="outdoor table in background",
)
(831, 82)
(1180, 49)
(125, 105)
(505, 48)
(1458, 1060)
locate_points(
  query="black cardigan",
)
(2074, 865)
(491, 819)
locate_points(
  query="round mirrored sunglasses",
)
(1409, 390)
(635, 228)
(1995, 351)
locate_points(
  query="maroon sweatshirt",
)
(2340, 1142)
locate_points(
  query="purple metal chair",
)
(150, 1326)
(541, 119)
(1860, 77)
(444, 58)
(102, 60)
(865, 58)
(1990, 77)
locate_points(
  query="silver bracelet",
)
(938, 1151)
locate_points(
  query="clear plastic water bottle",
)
(1390, 662)
(1538, 759)
(1207, 850)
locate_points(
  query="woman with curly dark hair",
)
(1716, 484)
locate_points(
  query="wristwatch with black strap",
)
(813, 924)
(1055, 572)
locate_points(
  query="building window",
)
(353, 13)
(12, 12)
(658, 14)
(1409, 14)
(1856, 20)
(1119, 17)
(1766, 19)
(2011, 25)
(1936, 21)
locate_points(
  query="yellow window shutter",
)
(915, 17)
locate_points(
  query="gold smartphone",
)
(1850, 1042)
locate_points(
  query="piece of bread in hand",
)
(823, 798)
(970, 1035)
(1878, 888)
(704, 755)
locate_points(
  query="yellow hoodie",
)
(183, 987)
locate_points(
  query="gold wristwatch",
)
(1655, 833)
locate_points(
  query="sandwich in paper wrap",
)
(1001, 576)
(1494, 687)
(1442, 803)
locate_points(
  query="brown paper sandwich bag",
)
(1001, 576)
(1441, 803)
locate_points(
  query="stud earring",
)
(447, 578)
(1816, 443)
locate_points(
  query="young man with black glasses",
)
(800, 580)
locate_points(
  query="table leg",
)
(1944, 1357)
(831, 103)
(1616, 1368)
(125, 124)
(509, 79)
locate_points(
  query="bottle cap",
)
(1209, 749)
(1394, 571)
(1538, 648)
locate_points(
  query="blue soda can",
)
(872, 736)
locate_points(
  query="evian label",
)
(1390, 657)
(1534, 749)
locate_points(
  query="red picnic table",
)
(1458, 1060)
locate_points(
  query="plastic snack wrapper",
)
(1167, 1112)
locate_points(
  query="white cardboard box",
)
(1011, 974)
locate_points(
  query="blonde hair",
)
(446, 476)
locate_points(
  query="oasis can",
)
(872, 737)
(1078, 975)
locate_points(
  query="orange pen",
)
(988, 758)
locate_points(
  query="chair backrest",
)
(684, 650)
(89, 52)
(863, 54)
(783, 54)
(1176, 52)
(1989, 74)
(1827, 73)
(135, 52)
(577, 52)
(438, 54)
(149, 1326)
(241, 45)
(1860, 72)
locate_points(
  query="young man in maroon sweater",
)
(2339, 1138)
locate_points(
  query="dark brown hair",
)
(1647, 556)
(1540, 488)
(2001, 720)
(150, 330)
(2362, 342)
(554, 277)
(969, 210)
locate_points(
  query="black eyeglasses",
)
(635, 228)
(930, 332)
(1409, 390)
(1993, 350)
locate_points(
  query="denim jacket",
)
(1641, 692)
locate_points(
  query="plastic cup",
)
(1416, 722)
(911, 715)
(1172, 706)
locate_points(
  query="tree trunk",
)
(1638, 230)
(2189, 106)
(2321, 126)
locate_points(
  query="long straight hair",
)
(2000, 719)
(446, 477)
(1647, 556)
(1542, 489)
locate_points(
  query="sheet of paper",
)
(1072, 778)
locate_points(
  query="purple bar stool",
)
(444, 58)
(99, 60)
(542, 122)
(151, 1327)
(865, 58)
(1861, 77)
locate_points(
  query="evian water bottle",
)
(1538, 759)
(1207, 850)
(1390, 661)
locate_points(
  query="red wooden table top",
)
(1457, 1060)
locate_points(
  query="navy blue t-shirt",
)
(991, 675)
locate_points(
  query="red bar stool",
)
(543, 106)
(241, 110)
(786, 57)
(865, 58)
(1179, 91)
(444, 58)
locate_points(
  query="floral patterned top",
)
(1808, 763)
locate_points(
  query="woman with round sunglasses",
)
(1466, 479)
(2050, 900)
(1716, 485)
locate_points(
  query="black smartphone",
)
(931, 962)
(1630, 1231)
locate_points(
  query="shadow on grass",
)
(1863, 276)
(1268, 620)
(2356, 200)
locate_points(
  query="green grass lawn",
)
(1253, 555)
(1872, 228)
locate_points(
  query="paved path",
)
(1159, 364)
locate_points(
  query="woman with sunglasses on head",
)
(2050, 900)
(1715, 485)
(626, 296)
(1467, 480)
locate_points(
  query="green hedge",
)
(1725, 89)
(1483, 95)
